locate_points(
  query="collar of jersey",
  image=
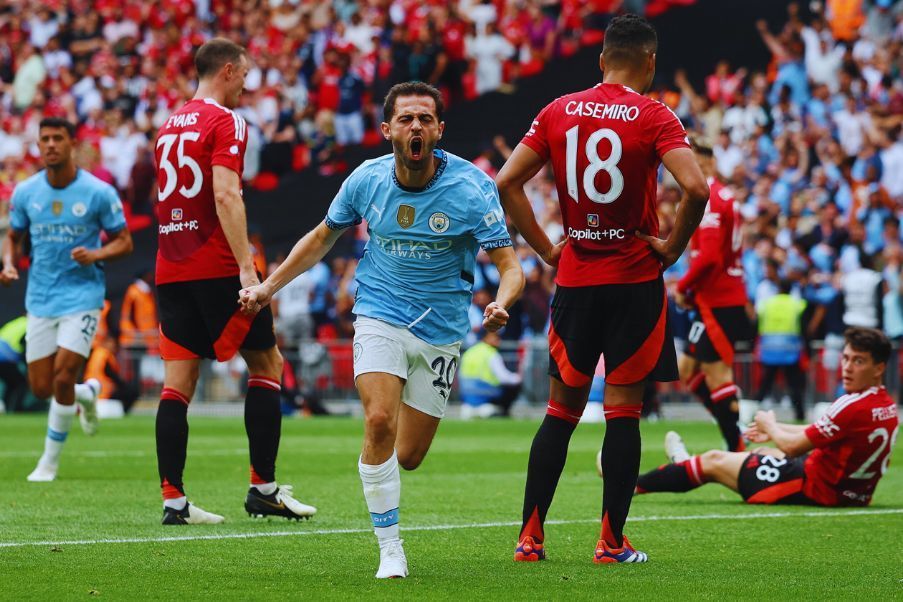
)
(78, 172)
(443, 161)
(628, 88)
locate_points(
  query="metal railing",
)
(327, 368)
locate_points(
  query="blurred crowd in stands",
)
(321, 69)
(811, 146)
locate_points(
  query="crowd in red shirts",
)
(118, 68)
(810, 146)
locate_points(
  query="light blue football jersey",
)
(418, 267)
(58, 220)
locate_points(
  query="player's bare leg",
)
(56, 375)
(416, 431)
(712, 466)
(620, 465)
(687, 367)
(263, 424)
(40, 378)
(548, 455)
(378, 466)
(179, 382)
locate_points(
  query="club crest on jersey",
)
(79, 210)
(176, 215)
(57, 207)
(405, 216)
(439, 222)
(592, 220)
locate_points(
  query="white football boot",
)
(675, 448)
(279, 503)
(44, 472)
(88, 406)
(392, 562)
(190, 515)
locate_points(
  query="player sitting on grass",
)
(850, 445)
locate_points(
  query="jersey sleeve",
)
(230, 138)
(834, 426)
(537, 137)
(669, 131)
(18, 215)
(112, 218)
(342, 213)
(490, 230)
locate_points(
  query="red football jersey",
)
(715, 277)
(606, 144)
(192, 245)
(853, 443)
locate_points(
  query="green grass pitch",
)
(460, 517)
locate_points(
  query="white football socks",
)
(382, 490)
(59, 421)
(265, 488)
(176, 503)
(83, 391)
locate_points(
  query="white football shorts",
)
(428, 370)
(75, 332)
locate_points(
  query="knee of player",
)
(712, 459)
(64, 378)
(276, 363)
(42, 389)
(268, 364)
(716, 374)
(379, 425)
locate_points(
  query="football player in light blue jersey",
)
(63, 210)
(428, 213)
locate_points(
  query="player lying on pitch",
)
(850, 445)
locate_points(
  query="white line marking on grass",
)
(635, 519)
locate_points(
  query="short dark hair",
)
(215, 53)
(411, 89)
(870, 340)
(628, 39)
(58, 122)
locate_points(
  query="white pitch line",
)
(635, 519)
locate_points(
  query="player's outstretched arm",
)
(521, 166)
(789, 438)
(511, 285)
(682, 165)
(306, 253)
(11, 241)
(230, 209)
(119, 245)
